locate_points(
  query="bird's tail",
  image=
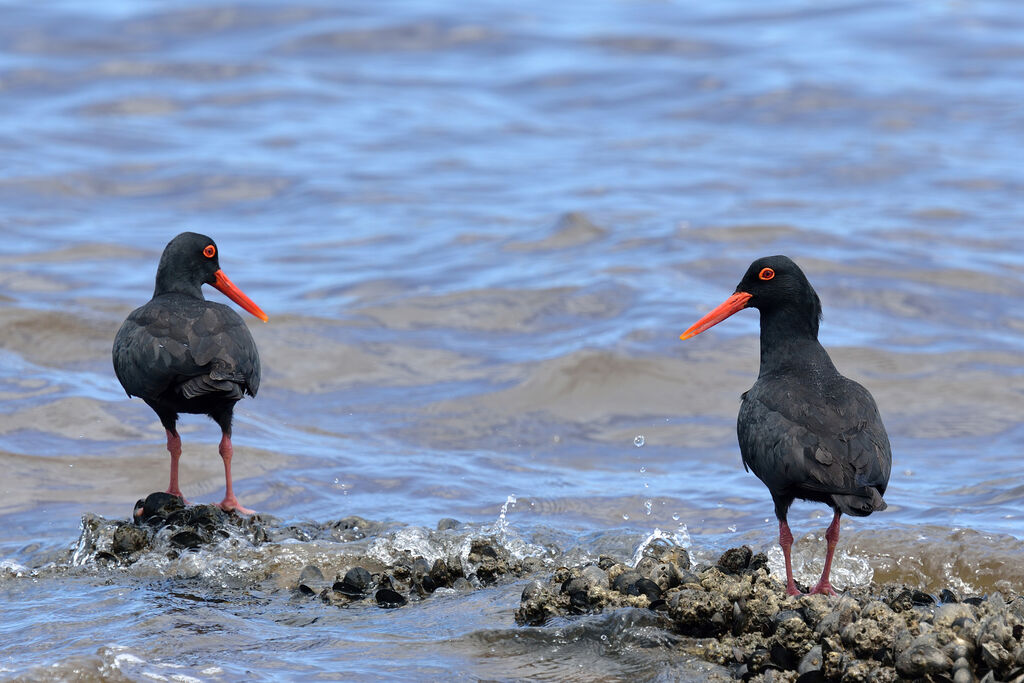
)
(862, 503)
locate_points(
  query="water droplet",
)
(675, 516)
(625, 515)
(643, 469)
(732, 528)
(638, 441)
(647, 506)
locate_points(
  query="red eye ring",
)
(209, 251)
(766, 274)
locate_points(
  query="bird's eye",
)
(766, 274)
(210, 251)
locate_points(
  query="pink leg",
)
(230, 502)
(174, 448)
(832, 538)
(786, 541)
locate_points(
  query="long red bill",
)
(736, 302)
(238, 296)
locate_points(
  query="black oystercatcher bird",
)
(805, 430)
(183, 354)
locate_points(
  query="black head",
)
(779, 289)
(189, 261)
(775, 282)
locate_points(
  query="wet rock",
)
(128, 539)
(647, 588)
(735, 560)
(844, 613)
(419, 569)
(739, 617)
(156, 508)
(624, 582)
(356, 582)
(903, 601)
(922, 659)
(311, 574)
(490, 560)
(352, 528)
(666, 575)
(536, 605)
(441, 575)
(594, 577)
(448, 524)
(946, 615)
(793, 635)
(187, 539)
(995, 656)
(699, 613)
(810, 661)
(390, 599)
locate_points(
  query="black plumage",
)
(183, 354)
(805, 430)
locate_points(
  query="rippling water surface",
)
(478, 230)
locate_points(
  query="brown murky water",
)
(478, 233)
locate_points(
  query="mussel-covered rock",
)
(736, 615)
(490, 560)
(156, 508)
(128, 539)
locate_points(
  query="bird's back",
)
(183, 347)
(816, 435)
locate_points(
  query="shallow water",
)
(478, 233)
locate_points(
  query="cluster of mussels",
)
(163, 523)
(734, 614)
(412, 577)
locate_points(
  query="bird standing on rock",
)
(805, 430)
(183, 354)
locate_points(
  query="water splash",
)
(12, 568)
(410, 541)
(503, 532)
(847, 569)
(680, 537)
(639, 441)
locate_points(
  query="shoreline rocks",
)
(164, 527)
(732, 614)
(736, 615)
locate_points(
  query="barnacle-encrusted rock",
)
(734, 614)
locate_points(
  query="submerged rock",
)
(736, 615)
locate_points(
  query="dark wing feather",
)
(190, 346)
(816, 442)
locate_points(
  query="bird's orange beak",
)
(227, 287)
(736, 302)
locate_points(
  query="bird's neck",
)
(168, 283)
(789, 342)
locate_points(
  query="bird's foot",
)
(823, 587)
(792, 590)
(231, 503)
